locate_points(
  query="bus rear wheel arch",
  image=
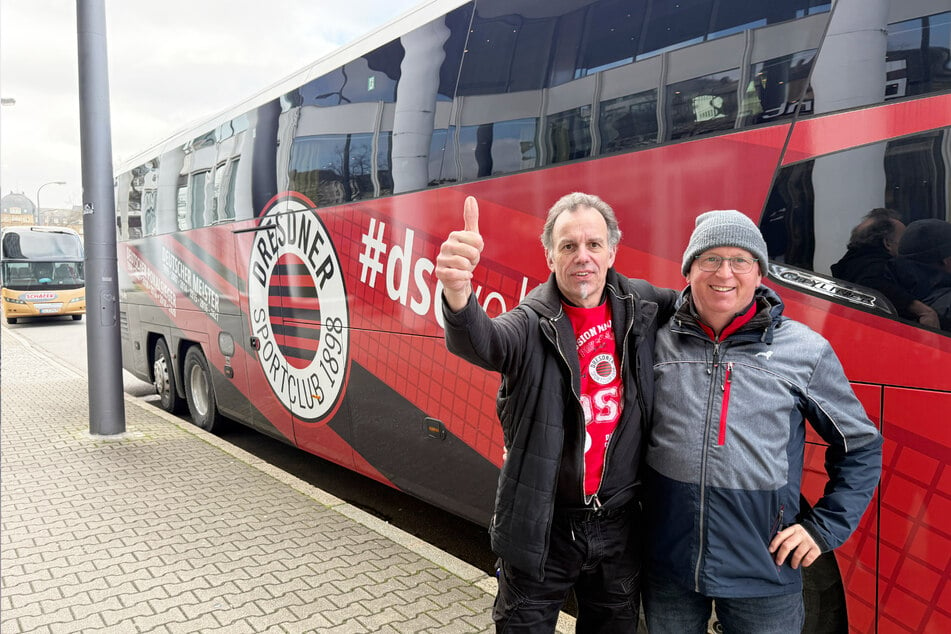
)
(199, 390)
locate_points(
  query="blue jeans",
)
(672, 609)
(595, 554)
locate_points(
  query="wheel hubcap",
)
(160, 370)
(199, 390)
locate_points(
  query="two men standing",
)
(735, 382)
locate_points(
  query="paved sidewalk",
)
(169, 529)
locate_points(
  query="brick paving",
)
(166, 528)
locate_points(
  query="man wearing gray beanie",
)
(923, 265)
(735, 383)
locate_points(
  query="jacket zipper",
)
(703, 468)
(778, 523)
(727, 381)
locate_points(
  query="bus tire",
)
(77, 317)
(199, 391)
(823, 593)
(823, 597)
(163, 378)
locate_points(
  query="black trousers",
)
(595, 553)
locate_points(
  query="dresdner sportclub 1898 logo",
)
(299, 308)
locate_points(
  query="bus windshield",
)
(42, 245)
(34, 260)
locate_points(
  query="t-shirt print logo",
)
(767, 355)
(601, 369)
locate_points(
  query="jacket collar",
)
(769, 313)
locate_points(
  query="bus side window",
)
(821, 224)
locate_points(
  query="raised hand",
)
(458, 257)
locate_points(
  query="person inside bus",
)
(923, 265)
(44, 272)
(872, 245)
(735, 381)
(575, 358)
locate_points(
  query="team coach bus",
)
(277, 261)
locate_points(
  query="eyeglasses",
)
(711, 263)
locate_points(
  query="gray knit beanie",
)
(927, 241)
(725, 228)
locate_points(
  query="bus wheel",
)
(199, 391)
(77, 317)
(823, 594)
(824, 597)
(163, 378)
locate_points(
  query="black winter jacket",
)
(533, 347)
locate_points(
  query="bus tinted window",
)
(505, 53)
(813, 214)
(136, 200)
(703, 105)
(333, 169)
(569, 135)
(733, 16)
(612, 33)
(917, 61)
(33, 245)
(778, 87)
(675, 24)
(913, 58)
(628, 122)
(373, 77)
(492, 148)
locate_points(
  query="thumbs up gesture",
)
(458, 257)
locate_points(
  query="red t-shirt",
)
(600, 385)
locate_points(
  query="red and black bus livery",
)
(276, 263)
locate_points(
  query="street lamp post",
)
(36, 214)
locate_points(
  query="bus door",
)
(299, 323)
(266, 411)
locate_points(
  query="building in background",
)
(18, 211)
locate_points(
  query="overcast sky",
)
(171, 63)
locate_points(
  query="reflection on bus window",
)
(232, 186)
(734, 16)
(628, 122)
(919, 56)
(334, 169)
(198, 185)
(676, 24)
(611, 36)
(372, 78)
(569, 135)
(703, 105)
(777, 86)
(181, 206)
(816, 205)
(441, 146)
(497, 87)
(497, 148)
(505, 53)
